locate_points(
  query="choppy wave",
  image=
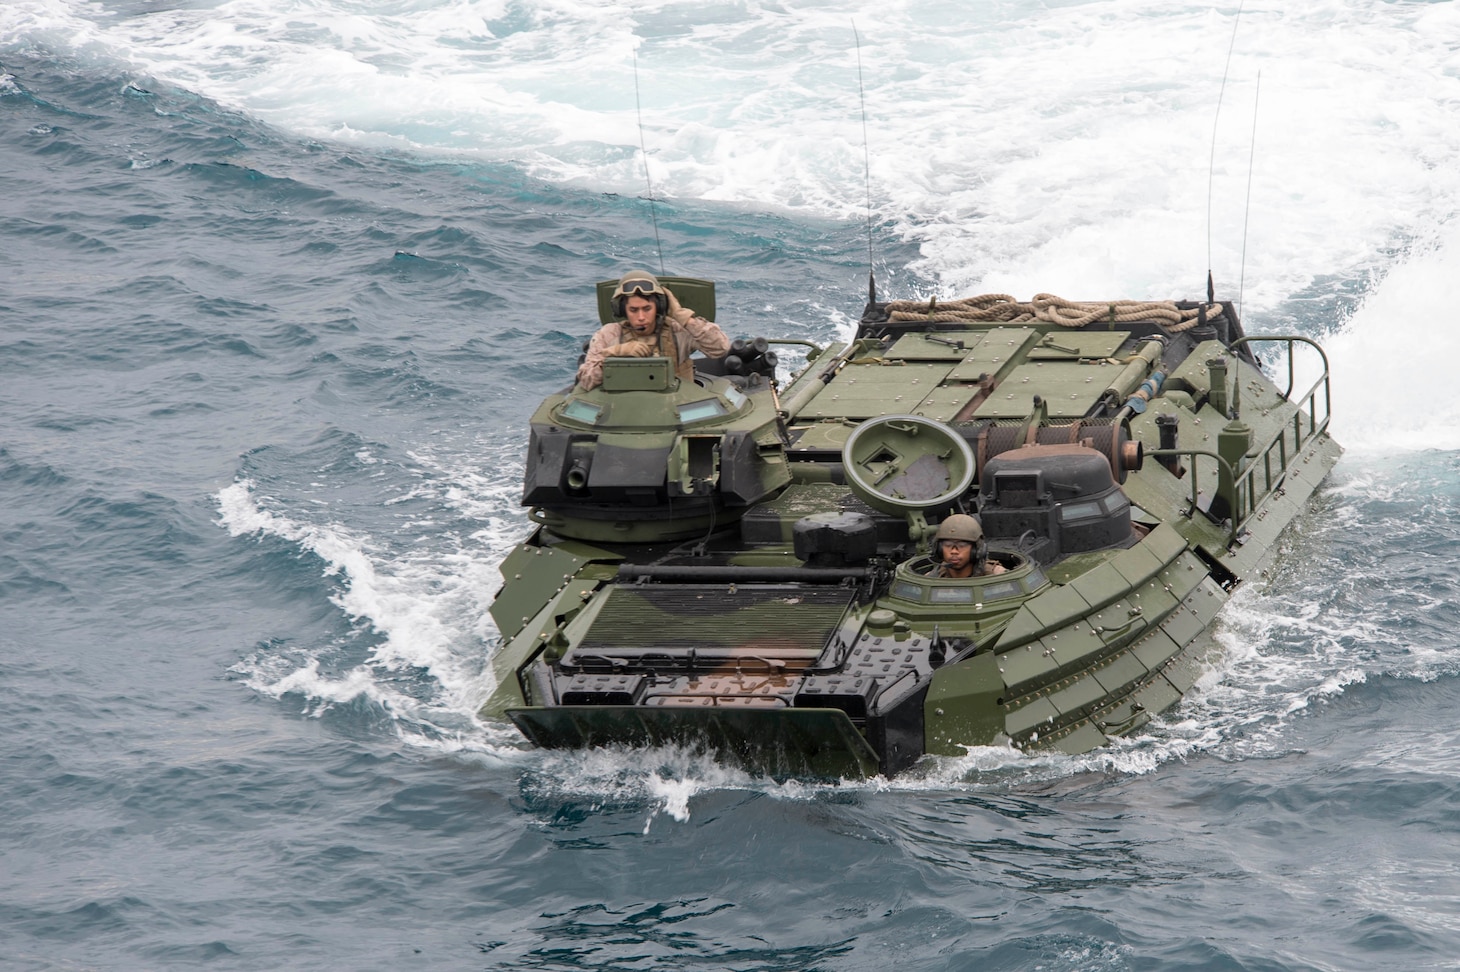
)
(424, 611)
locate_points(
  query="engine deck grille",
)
(771, 620)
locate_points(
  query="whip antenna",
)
(653, 215)
(1212, 163)
(866, 168)
(1247, 210)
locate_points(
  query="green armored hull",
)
(728, 564)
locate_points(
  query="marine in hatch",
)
(650, 322)
(960, 549)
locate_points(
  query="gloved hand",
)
(631, 349)
(680, 314)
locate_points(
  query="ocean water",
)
(282, 280)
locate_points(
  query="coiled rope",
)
(1049, 308)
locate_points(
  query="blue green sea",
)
(282, 280)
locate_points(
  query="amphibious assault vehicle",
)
(743, 567)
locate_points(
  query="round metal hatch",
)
(907, 463)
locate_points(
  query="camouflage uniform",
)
(672, 339)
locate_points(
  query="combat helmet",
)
(961, 526)
(643, 283)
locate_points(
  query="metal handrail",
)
(1311, 395)
(1245, 498)
(1222, 466)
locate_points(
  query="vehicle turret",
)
(647, 457)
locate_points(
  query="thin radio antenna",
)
(1247, 210)
(866, 168)
(653, 215)
(1212, 163)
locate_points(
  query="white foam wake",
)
(1024, 147)
(428, 609)
(1393, 364)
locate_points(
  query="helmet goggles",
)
(638, 285)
